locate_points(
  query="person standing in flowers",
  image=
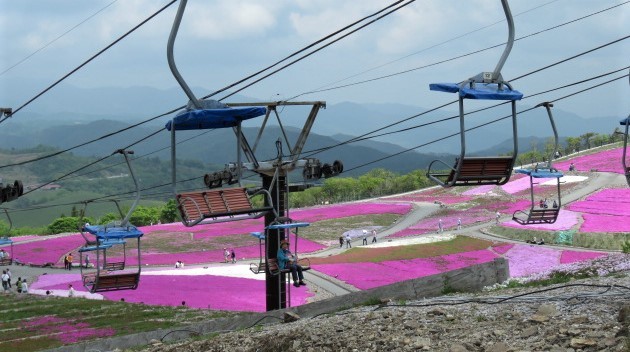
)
(286, 260)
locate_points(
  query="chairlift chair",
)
(272, 266)
(544, 213)
(7, 241)
(11, 192)
(111, 276)
(481, 170)
(624, 157)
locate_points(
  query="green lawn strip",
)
(594, 240)
(123, 318)
(356, 255)
(327, 230)
(174, 242)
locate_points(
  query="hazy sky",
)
(221, 41)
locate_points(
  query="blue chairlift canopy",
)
(109, 233)
(625, 121)
(5, 240)
(540, 173)
(482, 91)
(200, 119)
(287, 226)
(259, 235)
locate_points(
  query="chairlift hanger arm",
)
(548, 107)
(169, 54)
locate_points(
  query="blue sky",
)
(221, 41)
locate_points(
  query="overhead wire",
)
(423, 50)
(155, 117)
(301, 50)
(318, 49)
(121, 195)
(173, 111)
(88, 61)
(459, 56)
(57, 38)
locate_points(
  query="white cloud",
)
(229, 19)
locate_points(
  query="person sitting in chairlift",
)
(555, 204)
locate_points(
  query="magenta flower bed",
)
(607, 161)
(369, 275)
(48, 250)
(503, 248)
(568, 257)
(64, 330)
(604, 223)
(202, 291)
(566, 220)
(529, 259)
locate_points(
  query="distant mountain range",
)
(75, 115)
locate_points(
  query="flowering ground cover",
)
(368, 275)
(568, 257)
(196, 291)
(67, 331)
(605, 211)
(47, 250)
(606, 161)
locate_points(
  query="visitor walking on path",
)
(340, 241)
(226, 255)
(440, 226)
(365, 237)
(70, 291)
(10, 276)
(5, 280)
(373, 236)
(459, 223)
(70, 261)
(233, 256)
(348, 239)
(24, 286)
(498, 215)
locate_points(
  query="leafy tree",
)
(169, 212)
(573, 144)
(586, 137)
(66, 224)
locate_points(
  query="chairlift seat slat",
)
(222, 205)
(537, 216)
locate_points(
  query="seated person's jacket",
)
(284, 257)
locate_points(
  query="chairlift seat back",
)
(494, 170)
(537, 216)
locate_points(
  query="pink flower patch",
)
(369, 275)
(202, 291)
(503, 248)
(606, 161)
(568, 257)
(526, 259)
(605, 223)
